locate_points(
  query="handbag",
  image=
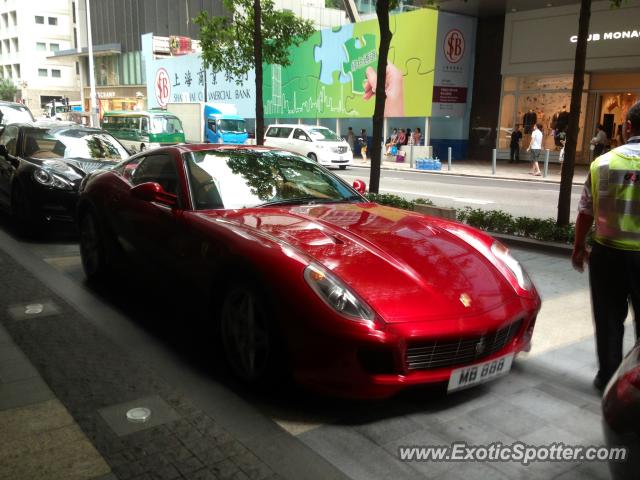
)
(394, 150)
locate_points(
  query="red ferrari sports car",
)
(355, 298)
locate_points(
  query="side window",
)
(160, 168)
(9, 139)
(144, 124)
(272, 132)
(300, 135)
(285, 132)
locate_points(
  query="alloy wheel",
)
(245, 334)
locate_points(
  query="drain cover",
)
(138, 414)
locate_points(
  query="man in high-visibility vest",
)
(611, 197)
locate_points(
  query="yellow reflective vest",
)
(615, 189)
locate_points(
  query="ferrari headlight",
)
(502, 253)
(334, 293)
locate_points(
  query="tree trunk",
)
(257, 52)
(382, 11)
(564, 199)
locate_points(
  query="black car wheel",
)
(246, 334)
(313, 157)
(21, 210)
(142, 147)
(92, 248)
(343, 167)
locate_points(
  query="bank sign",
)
(184, 79)
(333, 73)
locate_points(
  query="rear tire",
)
(313, 157)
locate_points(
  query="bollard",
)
(449, 159)
(493, 161)
(546, 163)
(411, 163)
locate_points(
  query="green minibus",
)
(139, 130)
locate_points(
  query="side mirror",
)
(360, 186)
(153, 192)
(3, 151)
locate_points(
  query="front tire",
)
(313, 157)
(92, 248)
(247, 337)
(21, 211)
(143, 147)
(343, 167)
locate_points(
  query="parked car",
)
(359, 299)
(42, 164)
(12, 112)
(318, 143)
(621, 415)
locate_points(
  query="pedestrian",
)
(535, 148)
(402, 138)
(516, 136)
(392, 141)
(611, 196)
(417, 136)
(363, 140)
(599, 142)
(351, 138)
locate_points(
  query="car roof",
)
(5, 103)
(296, 125)
(56, 125)
(198, 147)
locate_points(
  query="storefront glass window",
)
(613, 111)
(507, 116)
(547, 82)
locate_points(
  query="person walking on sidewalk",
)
(611, 196)
(535, 148)
(516, 136)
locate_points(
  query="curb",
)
(551, 247)
(471, 175)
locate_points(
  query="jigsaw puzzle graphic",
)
(331, 54)
(362, 53)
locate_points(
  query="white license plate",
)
(479, 373)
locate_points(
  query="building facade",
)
(537, 73)
(31, 32)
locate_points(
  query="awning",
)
(98, 51)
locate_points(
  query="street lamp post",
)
(92, 72)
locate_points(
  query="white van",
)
(318, 143)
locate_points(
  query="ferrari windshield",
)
(250, 178)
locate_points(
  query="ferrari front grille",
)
(429, 355)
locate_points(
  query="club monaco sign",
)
(595, 37)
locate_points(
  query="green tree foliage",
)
(253, 33)
(7, 90)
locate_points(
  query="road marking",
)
(473, 201)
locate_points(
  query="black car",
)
(621, 415)
(42, 165)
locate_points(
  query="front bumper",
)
(375, 364)
(331, 158)
(51, 205)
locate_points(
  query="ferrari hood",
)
(405, 265)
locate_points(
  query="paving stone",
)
(18, 370)
(355, 455)
(116, 415)
(24, 392)
(587, 471)
(541, 404)
(33, 310)
(388, 429)
(508, 418)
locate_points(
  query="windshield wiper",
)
(290, 201)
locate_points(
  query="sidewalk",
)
(475, 168)
(67, 383)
